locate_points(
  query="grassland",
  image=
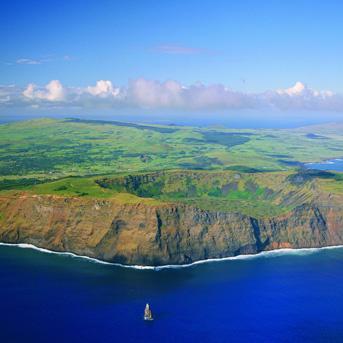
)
(255, 194)
(248, 171)
(48, 148)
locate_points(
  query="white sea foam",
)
(70, 254)
(264, 254)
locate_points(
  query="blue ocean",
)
(294, 296)
(335, 165)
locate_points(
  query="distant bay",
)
(334, 164)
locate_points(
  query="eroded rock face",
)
(157, 235)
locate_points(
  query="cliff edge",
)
(168, 233)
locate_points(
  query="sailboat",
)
(148, 313)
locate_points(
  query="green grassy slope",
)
(48, 148)
(255, 194)
(247, 171)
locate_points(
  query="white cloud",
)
(28, 61)
(103, 88)
(216, 96)
(9, 95)
(53, 91)
(303, 97)
(297, 89)
(172, 94)
(30, 90)
(151, 94)
(41, 60)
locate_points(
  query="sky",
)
(207, 61)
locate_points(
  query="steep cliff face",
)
(164, 234)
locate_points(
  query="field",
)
(86, 158)
(48, 148)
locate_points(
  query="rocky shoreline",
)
(167, 234)
(269, 253)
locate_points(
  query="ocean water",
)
(335, 164)
(292, 296)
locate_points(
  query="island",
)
(153, 195)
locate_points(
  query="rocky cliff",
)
(169, 233)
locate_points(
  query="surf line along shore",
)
(263, 254)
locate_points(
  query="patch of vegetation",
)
(228, 139)
(201, 163)
(291, 163)
(279, 155)
(305, 175)
(52, 149)
(118, 123)
(333, 185)
(255, 194)
(6, 184)
(265, 195)
(244, 169)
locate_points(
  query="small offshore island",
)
(190, 194)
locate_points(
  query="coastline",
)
(270, 253)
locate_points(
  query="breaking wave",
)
(264, 254)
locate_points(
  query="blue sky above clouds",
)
(190, 57)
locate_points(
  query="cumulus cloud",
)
(151, 94)
(302, 97)
(297, 89)
(216, 96)
(103, 89)
(172, 94)
(53, 91)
